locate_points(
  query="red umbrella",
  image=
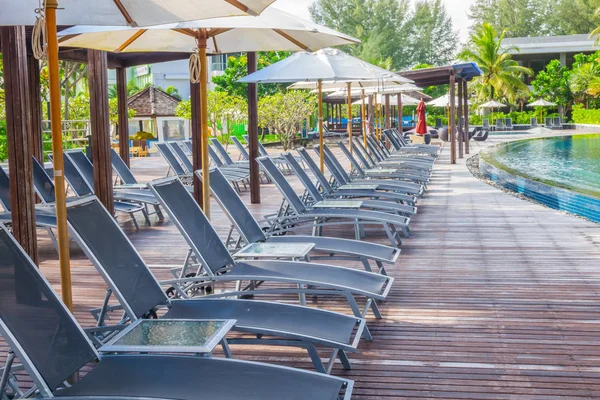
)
(421, 122)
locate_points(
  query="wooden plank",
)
(18, 135)
(35, 101)
(196, 132)
(123, 120)
(100, 127)
(253, 132)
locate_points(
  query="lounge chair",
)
(251, 232)
(47, 339)
(262, 152)
(549, 123)
(245, 165)
(243, 152)
(534, 122)
(315, 196)
(185, 162)
(508, 124)
(500, 124)
(297, 214)
(81, 188)
(124, 174)
(403, 148)
(557, 123)
(481, 136)
(485, 124)
(413, 157)
(438, 123)
(342, 177)
(174, 164)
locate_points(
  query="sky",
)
(457, 9)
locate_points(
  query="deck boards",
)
(494, 297)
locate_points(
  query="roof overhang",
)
(441, 75)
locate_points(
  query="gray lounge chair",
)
(558, 123)
(485, 124)
(481, 136)
(549, 123)
(296, 212)
(432, 148)
(500, 124)
(243, 152)
(534, 122)
(406, 160)
(174, 164)
(262, 152)
(508, 124)
(226, 157)
(180, 154)
(139, 294)
(142, 197)
(415, 153)
(81, 188)
(315, 196)
(49, 342)
(217, 264)
(356, 191)
(124, 174)
(251, 232)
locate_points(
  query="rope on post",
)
(195, 67)
(39, 43)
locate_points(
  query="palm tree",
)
(501, 74)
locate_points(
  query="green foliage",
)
(537, 17)
(173, 91)
(3, 143)
(580, 115)
(501, 74)
(113, 111)
(391, 31)
(552, 84)
(237, 68)
(2, 100)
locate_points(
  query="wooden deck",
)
(494, 298)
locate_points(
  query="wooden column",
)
(35, 105)
(400, 112)
(253, 132)
(18, 128)
(466, 114)
(100, 127)
(196, 131)
(370, 113)
(123, 120)
(388, 112)
(459, 115)
(452, 121)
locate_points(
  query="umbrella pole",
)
(320, 100)
(201, 42)
(363, 119)
(349, 122)
(57, 153)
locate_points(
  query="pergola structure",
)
(24, 116)
(453, 75)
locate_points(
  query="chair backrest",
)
(214, 156)
(187, 146)
(42, 183)
(116, 259)
(316, 171)
(499, 123)
(4, 190)
(358, 154)
(37, 326)
(234, 207)
(122, 169)
(351, 157)
(282, 184)
(185, 161)
(240, 148)
(168, 155)
(303, 177)
(261, 149)
(375, 152)
(508, 122)
(549, 121)
(557, 122)
(486, 123)
(393, 140)
(533, 121)
(221, 150)
(82, 164)
(340, 177)
(364, 151)
(192, 223)
(78, 183)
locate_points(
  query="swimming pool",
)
(509, 133)
(561, 172)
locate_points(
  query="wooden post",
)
(363, 119)
(349, 116)
(18, 126)
(321, 150)
(460, 117)
(400, 112)
(388, 112)
(201, 44)
(123, 120)
(466, 111)
(196, 131)
(35, 103)
(100, 127)
(253, 132)
(370, 113)
(452, 121)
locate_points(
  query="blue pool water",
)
(571, 162)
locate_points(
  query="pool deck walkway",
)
(494, 298)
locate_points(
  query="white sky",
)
(457, 8)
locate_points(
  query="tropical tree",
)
(585, 77)
(502, 76)
(552, 84)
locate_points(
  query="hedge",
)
(584, 116)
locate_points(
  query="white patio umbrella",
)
(378, 85)
(492, 104)
(406, 100)
(44, 16)
(272, 30)
(324, 65)
(542, 103)
(442, 101)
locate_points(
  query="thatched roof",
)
(153, 102)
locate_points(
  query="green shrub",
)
(3, 148)
(584, 116)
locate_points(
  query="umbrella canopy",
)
(406, 100)
(443, 101)
(324, 65)
(373, 86)
(273, 30)
(407, 87)
(129, 12)
(542, 103)
(492, 104)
